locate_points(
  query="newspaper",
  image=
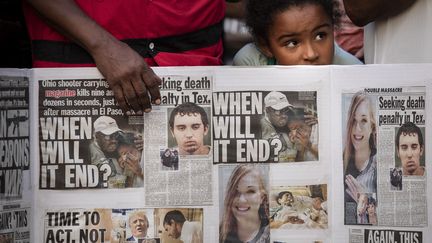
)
(385, 236)
(14, 135)
(85, 140)
(177, 148)
(134, 225)
(15, 223)
(299, 207)
(385, 128)
(263, 126)
(67, 186)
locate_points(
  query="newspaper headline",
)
(385, 236)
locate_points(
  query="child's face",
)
(301, 35)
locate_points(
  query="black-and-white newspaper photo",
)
(263, 126)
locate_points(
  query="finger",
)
(142, 93)
(119, 96)
(351, 186)
(131, 97)
(152, 82)
(350, 194)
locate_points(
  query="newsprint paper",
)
(387, 125)
(177, 146)
(329, 154)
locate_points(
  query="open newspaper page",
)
(85, 140)
(383, 155)
(177, 148)
(119, 225)
(15, 194)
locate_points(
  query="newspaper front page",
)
(178, 144)
(382, 170)
(384, 157)
(85, 140)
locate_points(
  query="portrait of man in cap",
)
(291, 133)
(119, 149)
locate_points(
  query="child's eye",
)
(320, 36)
(291, 43)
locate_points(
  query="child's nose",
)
(310, 54)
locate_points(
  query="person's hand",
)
(302, 137)
(138, 141)
(316, 203)
(354, 188)
(133, 82)
(130, 162)
(310, 119)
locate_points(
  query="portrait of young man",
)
(410, 149)
(189, 126)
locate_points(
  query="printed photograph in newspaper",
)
(169, 158)
(189, 126)
(133, 225)
(179, 225)
(298, 207)
(359, 154)
(410, 154)
(263, 126)
(244, 203)
(396, 179)
(14, 136)
(85, 140)
(7, 238)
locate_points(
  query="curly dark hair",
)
(189, 109)
(260, 14)
(409, 128)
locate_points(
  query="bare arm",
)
(362, 12)
(128, 75)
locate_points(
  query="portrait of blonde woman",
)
(246, 207)
(359, 155)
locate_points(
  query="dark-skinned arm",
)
(133, 82)
(362, 12)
